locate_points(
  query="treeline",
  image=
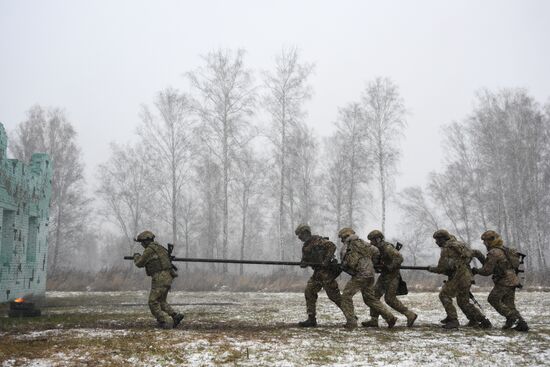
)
(228, 168)
(496, 176)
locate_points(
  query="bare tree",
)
(226, 98)
(47, 130)
(385, 114)
(286, 92)
(125, 187)
(167, 141)
(248, 185)
(351, 129)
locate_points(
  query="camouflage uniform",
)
(387, 283)
(317, 249)
(502, 296)
(454, 261)
(157, 265)
(357, 259)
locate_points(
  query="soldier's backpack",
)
(462, 251)
(515, 258)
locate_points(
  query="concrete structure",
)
(25, 192)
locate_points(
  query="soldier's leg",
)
(448, 291)
(496, 299)
(370, 299)
(313, 287)
(155, 297)
(164, 305)
(379, 290)
(333, 292)
(351, 288)
(473, 314)
(391, 296)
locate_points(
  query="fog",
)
(100, 62)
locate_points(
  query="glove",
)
(136, 254)
(431, 269)
(302, 265)
(475, 271)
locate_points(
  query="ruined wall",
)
(25, 191)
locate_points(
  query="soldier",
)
(454, 261)
(157, 265)
(317, 249)
(500, 264)
(357, 260)
(389, 262)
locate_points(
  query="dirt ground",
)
(249, 329)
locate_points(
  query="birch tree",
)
(166, 137)
(385, 114)
(48, 130)
(225, 100)
(287, 90)
(125, 188)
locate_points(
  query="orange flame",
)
(19, 300)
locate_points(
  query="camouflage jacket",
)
(454, 259)
(498, 265)
(318, 250)
(358, 257)
(390, 259)
(154, 258)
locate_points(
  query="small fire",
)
(19, 300)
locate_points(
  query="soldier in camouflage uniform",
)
(389, 262)
(317, 249)
(506, 281)
(454, 261)
(157, 265)
(357, 260)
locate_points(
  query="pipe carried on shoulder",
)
(262, 262)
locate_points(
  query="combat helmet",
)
(145, 236)
(441, 233)
(345, 232)
(302, 228)
(492, 238)
(375, 234)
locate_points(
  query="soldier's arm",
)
(141, 260)
(479, 256)
(396, 258)
(330, 249)
(440, 268)
(489, 265)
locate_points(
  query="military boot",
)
(373, 322)
(510, 321)
(177, 319)
(451, 324)
(351, 324)
(310, 322)
(485, 323)
(391, 322)
(165, 324)
(472, 323)
(445, 320)
(521, 325)
(411, 318)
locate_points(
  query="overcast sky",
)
(100, 60)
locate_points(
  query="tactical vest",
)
(159, 262)
(315, 249)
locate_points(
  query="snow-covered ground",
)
(249, 329)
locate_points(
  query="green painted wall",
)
(25, 192)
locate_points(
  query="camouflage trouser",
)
(319, 280)
(502, 298)
(160, 286)
(386, 286)
(365, 285)
(459, 287)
